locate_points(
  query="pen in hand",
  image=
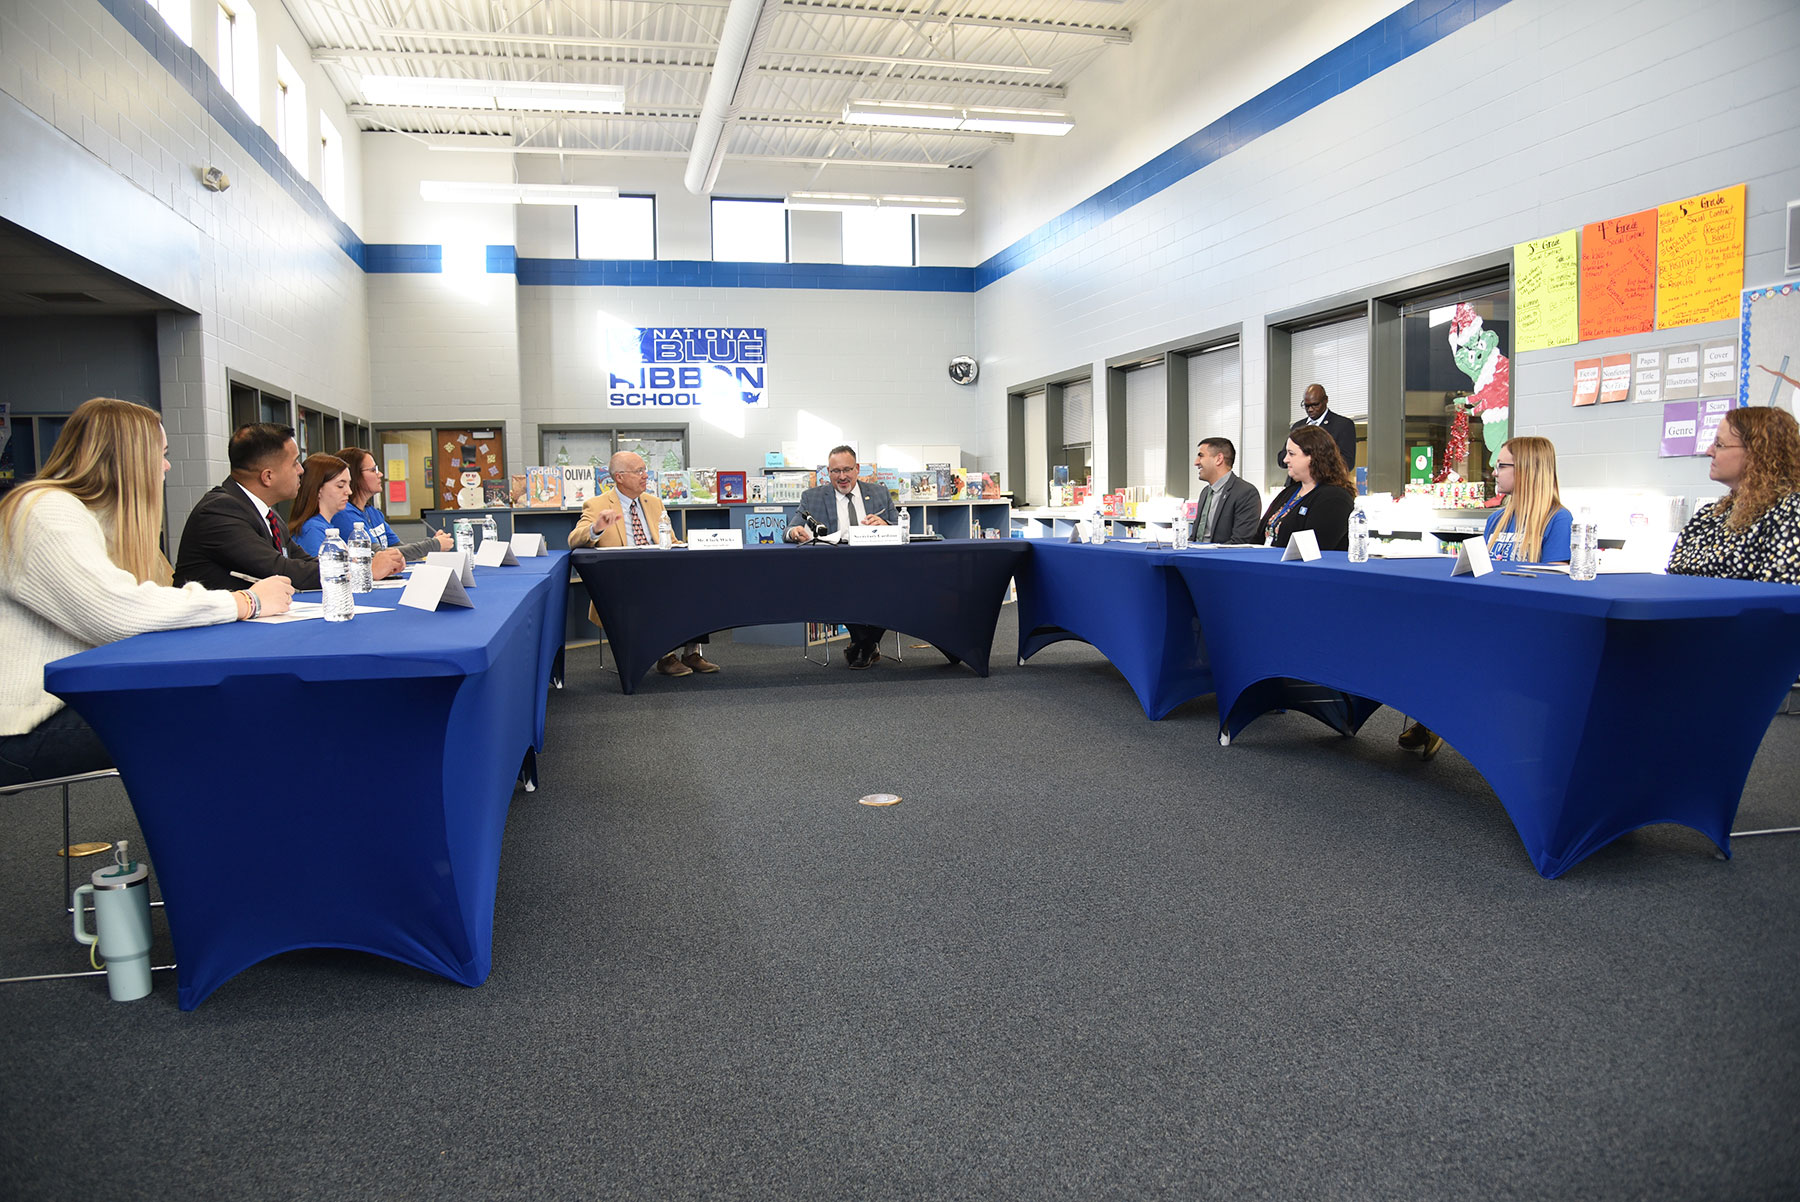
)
(247, 578)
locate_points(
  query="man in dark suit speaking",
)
(1229, 507)
(236, 527)
(837, 506)
(1318, 413)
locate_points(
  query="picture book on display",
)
(674, 488)
(756, 490)
(764, 529)
(494, 495)
(578, 486)
(888, 478)
(701, 486)
(518, 490)
(733, 487)
(543, 487)
(602, 479)
(945, 480)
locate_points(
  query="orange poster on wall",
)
(1618, 276)
(1700, 258)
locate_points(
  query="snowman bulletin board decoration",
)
(469, 497)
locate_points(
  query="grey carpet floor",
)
(1087, 956)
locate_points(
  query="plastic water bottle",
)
(334, 578)
(489, 528)
(665, 533)
(1096, 524)
(1359, 534)
(465, 536)
(362, 556)
(1584, 548)
(905, 524)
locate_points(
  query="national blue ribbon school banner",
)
(685, 367)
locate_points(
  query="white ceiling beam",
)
(1111, 33)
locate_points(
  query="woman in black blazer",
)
(1319, 497)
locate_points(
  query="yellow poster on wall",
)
(1700, 258)
(1547, 273)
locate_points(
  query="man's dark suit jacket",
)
(1236, 515)
(1342, 431)
(226, 533)
(821, 502)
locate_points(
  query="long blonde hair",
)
(1771, 464)
(1534, 499)
(108, 457)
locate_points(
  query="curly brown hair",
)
(1328, 465)
(1771, 441)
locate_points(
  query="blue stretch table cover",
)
(1594, 708)
(271, 828)
(1119, 598)
(651, 601)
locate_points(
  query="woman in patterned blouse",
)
(1754, 532)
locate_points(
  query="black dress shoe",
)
(853, 657)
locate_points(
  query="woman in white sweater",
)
(80, 566)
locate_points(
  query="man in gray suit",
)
(836, 506)
(1229, 507)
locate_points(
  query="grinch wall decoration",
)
(1477, 354)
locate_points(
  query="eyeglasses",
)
(1498, 465)
(632, 471)
(842, 471)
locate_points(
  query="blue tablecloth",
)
(330, 784)
(651, 601)
(1119, 598)
(1592, 708)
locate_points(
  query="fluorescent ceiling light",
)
(417, 92)
(457, 192)
(838, 202)
(973, 119)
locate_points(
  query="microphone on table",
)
(814, 527)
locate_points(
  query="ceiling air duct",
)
(741, 45)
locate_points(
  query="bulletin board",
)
(1769, 362)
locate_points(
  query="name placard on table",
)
(715, 540)
(873, 536)
(527, 545)
(496, 553)
(1302, 545)
(433, 584)
(454, 561)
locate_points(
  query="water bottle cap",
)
(121, 875)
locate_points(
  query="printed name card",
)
(715, 540)
(1472, 558)
(528, 545)
(496, 553)
(1303, 545)
(433, 585)
(872, 536)
(455, 561)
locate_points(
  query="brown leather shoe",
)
(668, 665)
(698, 663)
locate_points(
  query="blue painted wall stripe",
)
(1389, 41)
(700, 273)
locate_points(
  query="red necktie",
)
(275, 529)
(638, 536)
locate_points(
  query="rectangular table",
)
(651, 601)
(330, 784)
(1601, 706)
(1119, 598)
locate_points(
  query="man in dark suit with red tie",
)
(236, 528)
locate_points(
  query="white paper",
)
(308, 611)
(433, 585)
(873, 536)
(455, 561)
(1472, 558)
(715, 540)
(496, 553)
(1302, 545)
(527, 545)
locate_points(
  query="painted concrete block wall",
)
(1536, 118)
(55, 363)
(103, 147)
(443, 347)
(845, 366)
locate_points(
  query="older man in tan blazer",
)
(627, 515)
